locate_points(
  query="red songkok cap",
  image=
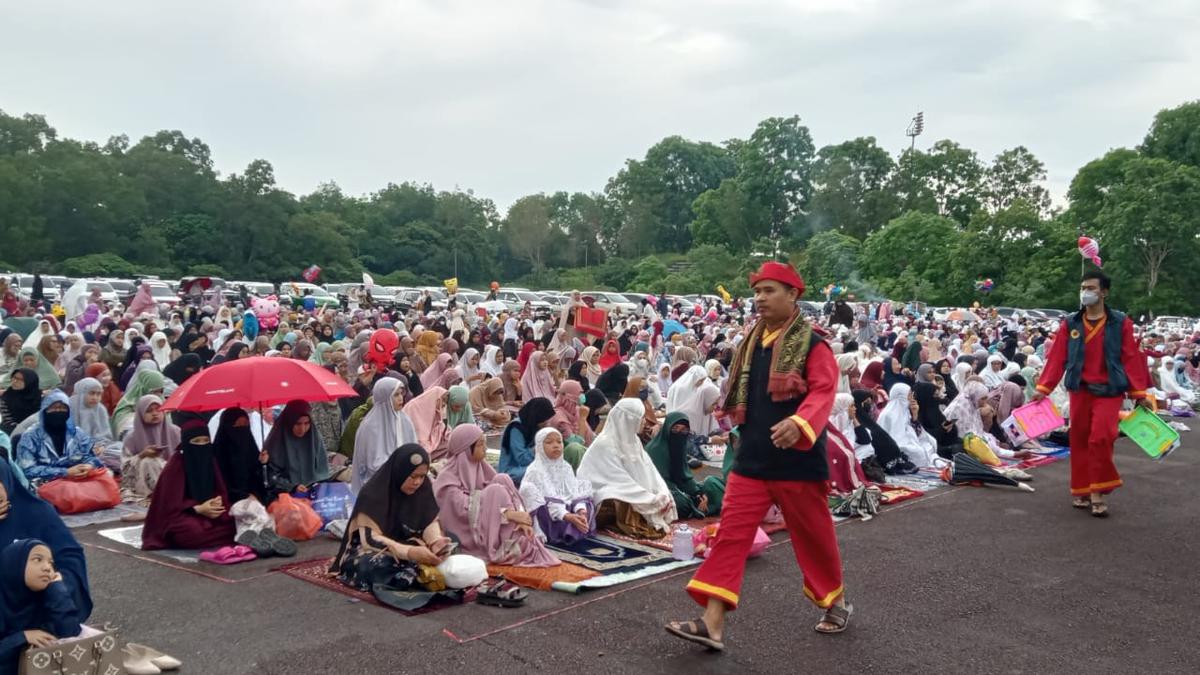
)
(777, 271)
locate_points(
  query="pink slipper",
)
(226, 555)
(244, 554)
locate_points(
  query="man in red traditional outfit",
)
(1096, 351)
(781, 387)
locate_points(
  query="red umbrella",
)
(257, 382)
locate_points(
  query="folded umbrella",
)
(966, 469)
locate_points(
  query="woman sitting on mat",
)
(190, 506)
(395, 512)
(483, 508)
(55, 447)
(146, 449)
(516, 445)
(630, 494)
(238, 457)
(668, 451)
(561, 504)
(383, 429)
(428, 415)
(487, 402)
(296, 456)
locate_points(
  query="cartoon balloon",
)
(1090, 250)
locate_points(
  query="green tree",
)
(852, 188)
(1175, 135)
(1091, 185)
(528, 230)
(775, 172)
(655, 194)
(830, 257)
(1150, 221)
(946, 181)
(1014, 175)
(908, 257)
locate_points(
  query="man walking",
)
(782, 383)
(1096, 351)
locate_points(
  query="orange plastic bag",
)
(95, 491)
(294, 518)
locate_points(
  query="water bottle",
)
(682, 547)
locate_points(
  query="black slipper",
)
(695, 631)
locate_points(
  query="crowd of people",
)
(595, 428)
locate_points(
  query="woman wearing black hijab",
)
(190, 506)
(517, 442)
(575, 372)
(933, 421)
(893, 375)
(20, 403)
(868, 432)
(612, 382)
(945, 370)
(179, 370)
(238, 457)
(396, 512)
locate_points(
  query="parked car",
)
(258, 288)
(125, 289)
(1053, 313)
(107, 293)
(613, 302)
(23, 285)
(162, 293)
(514, 300)
(295, 292)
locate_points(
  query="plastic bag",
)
(463, 571)
(294, 518)
(980, 450)
(332, 501)
(95, 491)
(707, 536)
(251, 516)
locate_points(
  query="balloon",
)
(1090, 250)
(311, 273)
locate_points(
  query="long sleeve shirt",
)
(1095, 369)
(516, 455)
(41, 462)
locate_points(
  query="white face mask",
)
(1088, 298)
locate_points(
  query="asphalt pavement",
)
(965, 580)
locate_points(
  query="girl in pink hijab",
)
(433, 374)
(536, 380)
(483, 508)
(428, 415)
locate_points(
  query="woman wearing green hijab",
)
(668, 451)
(458, 406)
(30, 357)
(144, 382)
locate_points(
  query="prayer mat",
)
(132, 536)
(103, 516)
(667, 543)
(894, 494)
(313, 571)
(542, 578)
(621, 577)
(606, 554)
(917, 482)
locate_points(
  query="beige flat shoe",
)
(159, 659)
(137, 662)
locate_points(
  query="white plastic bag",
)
(250, 515)
(463, 571)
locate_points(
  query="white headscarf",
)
(960, 374)
(547, 479)
(92, 421)
(846, 363)
(35, 336)
(618, 467)
(510, 329)
(488, 363)
(992, 379)
(693, 394)
(465, 369)
(1170, 383)
(382, 431)
(896, 420)
(839, 417)
(162, 355)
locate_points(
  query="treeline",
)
(927, 224)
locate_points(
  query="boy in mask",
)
(1096, 352)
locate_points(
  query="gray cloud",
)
(541, 95)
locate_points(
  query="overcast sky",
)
(512, 98)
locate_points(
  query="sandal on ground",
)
(695, 631)
(1082, 502)
(280, 546)
(256, 543)
(838, 616)
(500, 593)
(1100, 510)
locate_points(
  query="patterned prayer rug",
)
(603, 553)
(313, 571)
(543, 578)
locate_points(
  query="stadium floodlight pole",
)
(915, 127)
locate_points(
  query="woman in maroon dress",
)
(190, 506)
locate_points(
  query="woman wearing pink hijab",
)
(428, 415)
(483, 508)
(536, 380)
(433, 374)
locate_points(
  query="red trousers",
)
(1093, 431)
(805, 508)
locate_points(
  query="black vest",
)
(1118, 381)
